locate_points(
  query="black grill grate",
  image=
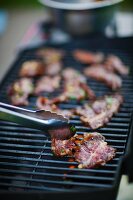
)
(26, 160)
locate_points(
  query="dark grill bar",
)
(26, 160)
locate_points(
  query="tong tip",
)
(63, 133)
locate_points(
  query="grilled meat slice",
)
(51, 55)
(90, 149)
(20, 90)
(63, 147)
(32, 68)
(46, 104)
(94, 151)
(52, 59)
(99, 73)
(66, 113)
(75, 86)
(87, 57)
(53, 68)
(47, 84)
(100, 111)
(75, 91)
(89, 93)
(70, 74)
(115, 64)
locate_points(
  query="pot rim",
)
(79, 6)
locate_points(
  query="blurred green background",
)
(127, 4)
(19, 3)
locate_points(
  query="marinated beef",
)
(89, 93)
(90, 149)
(87, 57)
(73, 90)
(99, 73)
(51, 55)
(70, 74)
(63, 147)
(115, 64)
(20, 90)
(32, 68)
(53, 68)
(44, 103)
(94, 151)
(52, 59)
(99, 112)
(75, 86)
(47, 84)
(51, 105)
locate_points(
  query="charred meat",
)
(75, 86)
(44, 103)
(75, 91)
(90, 149)
(87, 57)
(63, 147)
(70, 74)
(89, 93)
(99, 73)
(32, 68)
(53, 68)
(52, 59)
(100, 111)
(20, 90)
(115, 64)
(66, 147)
(47, 84)
(51, 55)
(51, 105)
(94, 151)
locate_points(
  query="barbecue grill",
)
(28, 168)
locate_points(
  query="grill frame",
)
(124, 162)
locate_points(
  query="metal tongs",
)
(51, 123)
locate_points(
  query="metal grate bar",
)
(56, 175)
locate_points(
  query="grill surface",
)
(26, 160)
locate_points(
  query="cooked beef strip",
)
(53, 68)
(90, 149)
(32, 68)
(94, 151)
(70, 74)
(115, 64)
(74, 91)
(66, 147)
(88, 91)
(75, 86)
(88, 57)
(100, 111)
(63, 147)
(46, 104)
(51, 55)
(47, 84)
(66, 113)
(85, 111)
(52, 59)
(99, 73)
(20, 90)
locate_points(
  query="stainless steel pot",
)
(80, 17)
